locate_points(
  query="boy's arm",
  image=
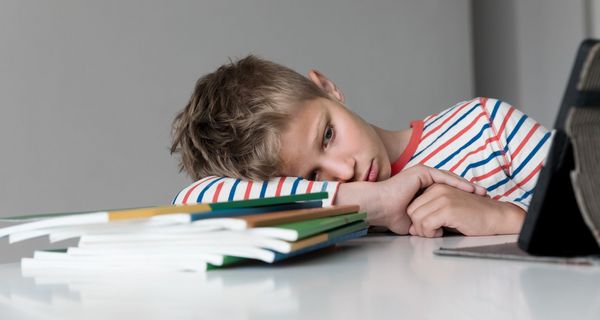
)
(385, 202)
(523, 144)
(441, 207)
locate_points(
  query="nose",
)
(338, 169)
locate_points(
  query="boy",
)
(254, 119)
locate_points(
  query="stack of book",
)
(196, 237)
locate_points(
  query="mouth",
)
(372, 173)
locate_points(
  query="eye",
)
(328, 135)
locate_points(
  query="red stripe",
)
(508, 115)
(496, 138)
(216, 195)
(309, 187)
(248, 189)
(279, 186)
(529, 134)
(472, 152)
(520, 184)
(429, 117)
(189, 192)
(458, 135)
(445, 121)
(489, 174)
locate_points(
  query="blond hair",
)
(233, 120)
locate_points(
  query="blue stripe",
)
(324, 187)
(232, 192)
(443, 133)
(440, 116)
(496, 107)
(201, 195)
(515, 130)
(523, 164)
(525, 195)
(482, 162)
(295, 185)
(498, 184)
(263, 189)
(531, 154)
(470, 142)
(175, 199)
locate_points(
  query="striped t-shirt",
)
(486, 141)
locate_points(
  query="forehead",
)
(297, 138)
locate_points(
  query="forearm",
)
(386, 201)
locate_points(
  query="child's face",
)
(326, 141)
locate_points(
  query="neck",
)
(394, 141)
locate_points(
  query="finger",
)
(428, 176)
(421, 214)
(456, 181)
(478, 189)
(431, 226)
(452, 173)
(412, 230)
(431, 193)
(399, 224)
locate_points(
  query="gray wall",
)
(88, 89)
(524, 50)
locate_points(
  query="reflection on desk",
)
(378, 276)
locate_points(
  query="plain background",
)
(88, 89)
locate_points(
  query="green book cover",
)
(314, 226)
(353, 227)
(268, 201)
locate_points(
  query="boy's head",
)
(257, 119)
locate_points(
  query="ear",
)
(327, 85)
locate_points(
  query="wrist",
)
(511, 221)
(355, 193)
(365, 195)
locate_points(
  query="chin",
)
(385, 175)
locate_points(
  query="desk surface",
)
(375, 277)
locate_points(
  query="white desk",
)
(378, 277)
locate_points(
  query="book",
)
(211, 257)
(289, 232)
(160, 238)
(274, 218)
(299, 230)
(60, 233)
(194, 212)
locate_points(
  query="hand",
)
(386, 201)
(470, 214)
